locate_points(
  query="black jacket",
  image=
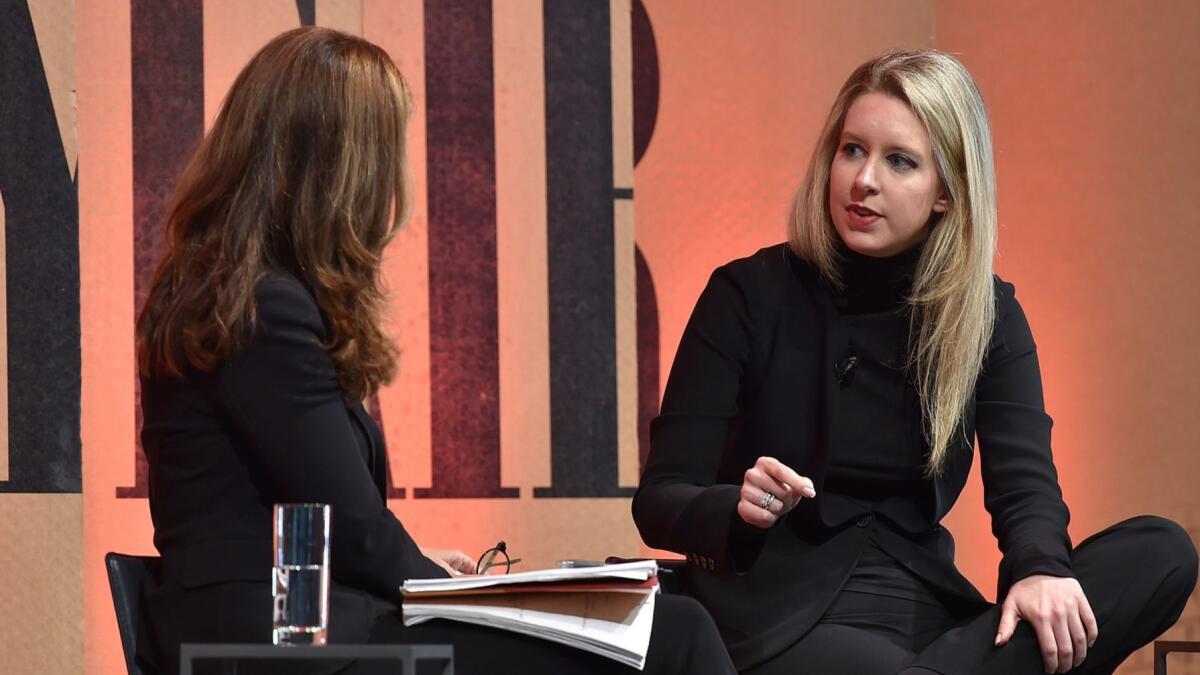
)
(269, 425)
(755, 375)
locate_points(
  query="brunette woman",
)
(261, 337)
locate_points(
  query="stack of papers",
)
(607, 609)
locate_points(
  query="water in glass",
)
(301, 574)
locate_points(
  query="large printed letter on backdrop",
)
(41, 266)
(41, 514)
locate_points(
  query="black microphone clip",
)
(843, 370)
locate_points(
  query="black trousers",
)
(1137, 575)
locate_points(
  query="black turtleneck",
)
(880, 447)
(876, 464)
(875, 285)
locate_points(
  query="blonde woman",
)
(820, 416)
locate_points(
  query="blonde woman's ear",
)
(942, 203)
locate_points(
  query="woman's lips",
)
(861, 216)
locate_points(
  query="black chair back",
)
(125, 575)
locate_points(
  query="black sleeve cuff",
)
(1030, 560)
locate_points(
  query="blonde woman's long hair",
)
(952, 298)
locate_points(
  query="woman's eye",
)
(901, 162)
(852, 150)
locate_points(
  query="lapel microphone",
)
(843, 369)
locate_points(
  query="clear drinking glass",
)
(301, 574)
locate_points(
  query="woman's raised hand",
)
(769, 490)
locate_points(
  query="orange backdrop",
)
(1094, 107)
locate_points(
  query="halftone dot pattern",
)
(1093, 108)
(41, 617)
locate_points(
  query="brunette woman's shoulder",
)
(280, 299)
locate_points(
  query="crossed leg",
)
(1137, 575)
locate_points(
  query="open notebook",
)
(607, 610)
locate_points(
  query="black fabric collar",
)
(876, 284)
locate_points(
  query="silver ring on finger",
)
(766, 501)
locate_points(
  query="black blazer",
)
(269, 425)
(754, 375)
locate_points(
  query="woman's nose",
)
(864, 180)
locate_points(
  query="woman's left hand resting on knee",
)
(1058, 612)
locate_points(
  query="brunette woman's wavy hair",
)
(302, 173)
